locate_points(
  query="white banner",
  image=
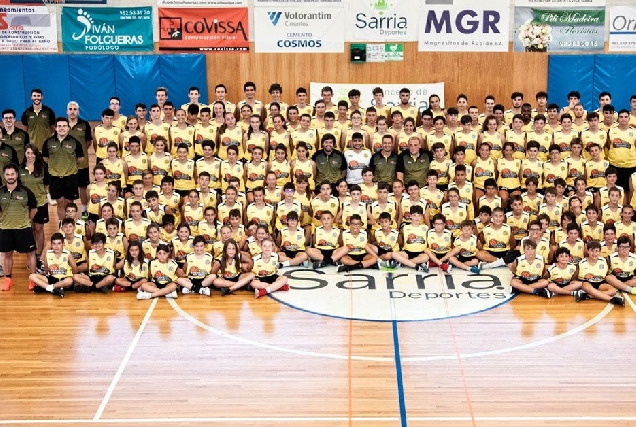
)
(27, 29)
(622, 29)
(202, 3)
(464, 26)
(382, 21)
(299, 3)
(298, 30)
(419, 92)
(560, 3)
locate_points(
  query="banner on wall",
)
(299, 3)
(380, 20)
(559, 25)
(202, 3)
(298, 30)
(622, 29)
(107, 29)
(464, 26)
(209, 29)
(27, 29)
(419, 92)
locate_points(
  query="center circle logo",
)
(401, 295)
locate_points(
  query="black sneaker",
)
(59, 292)
(581, 295)
(82, 289)
(225, 291)
(40, 267)
(544, 292)
(105, 289)
(344, 269)
(618, 300)
(319, 264)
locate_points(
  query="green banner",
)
(568, 17)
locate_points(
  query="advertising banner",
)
(298, 30)
(299, 3)
(382, 20)
(27, 29)
(419, 92)
(209, 29)
(202, 3)
(464, 26)
(622, 29)
(107, 29)
(559, 25)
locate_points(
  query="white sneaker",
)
(172, 294)
(306, 263)
(51, 201)
(143, 295)
(185, 291)
(381, 264)
(205, 291)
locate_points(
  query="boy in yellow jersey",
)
(291, 240)
(204, 131)
(541, 136)
(440, 242)
(528, 272)
(154, 211)
(116, 241)
(562, 274)
(602, 197)
(463, 254)
(465, 189)
(496, 243)
(551, 208)
(135, 226)
(197, 269)
(517, 219)
(555, 167)
(383, 205)
(543, 243)
(441, 164)
(324, 202)
(531, 198)
(183, 171)
(626, 227)
(265, 268)
(287, 206)
(210, 164)
(413, 242)
(595, 169)
(136, 162)
(326, 240)
(101, 268)
(305, 108)
(611, 212)
(468, 138)
(490, 198)
(276, 91)
(59, 266)
(593, 134)
(163, 276)
(413, 199)
(454, 212)
(137, 191)
(564, 136)
(75, 244)
(439, 135)
(581, 192)
(378, 102)
(182, 245)
(353, 207)
(169, 198)
(168, 231)
(405, 106)
(592, 271)
(591, 228)
(104, 134)
(192, 211)
(306, 134)
(355, 251)
(620, 148)
(622, 266)
(385, 241)
(531, 166)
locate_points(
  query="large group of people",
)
(223, 196)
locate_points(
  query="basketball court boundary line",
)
(629, 300)
(398, 364)
(124, 362)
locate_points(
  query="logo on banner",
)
(466, 22)
(274, 17)
(170, 28)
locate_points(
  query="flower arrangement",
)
(535, 36)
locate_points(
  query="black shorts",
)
(96, 279)
(290, 254)
(42, 215)
(442, 187)
(127, 189)
(357, 257)
(93, 218)
(64, 186)
(498, 254)
(525, 281)
(465, 259)
(412, 255)
(594, 285)
(231, 279)
(52, 280)
(326, 253)
(19, 240)
(439, 255)
(382, 251)
(83, 178)
(268, 279)
(196, 282)
(160, 285)
(182, 193)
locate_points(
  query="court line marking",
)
(124, 362)
(631, 303)
(398, 364)
(242, 340)
(315, 419)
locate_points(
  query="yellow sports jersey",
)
(275, 139)
(543, 247)
(318, 206)
(496, 142)
(150, 251)
(545, 140)
(369, 193)
(622, 269)
(257, 108)
(192, 216)
(292, 240)
(153, 131)
(592, 233)
(183, 174)
(627, 230)
(554, 213)
(508, 173)
(153, 216)
(160, 167)
(182, 249)
(621, 151)
(377, 209)
(230, 269)
(454, 217)
(610, 216)
(260, 216)
(588, 138)
(101, 265)
(414, 237)
(442, 170)
(104, 136)
(304, 169)
(283, 209)
(433, 199)
(134, 272)
(80, 228)
(59, 266)
(209, 232)
(134, 231)
(213, 168)
(497, 240)
(255, 175)
(265, 268)
(273, 196)
(402, 140)
(482, 170)
(100, 226)
(407, 112)
(348, 209)
(114, 171)
(202, 133)
(282, 171)
(492, 204)
(593, 273)
(356, 244)
(387, 242)
(406, 204)
(595, 173)
(607, 250)
(309, 137)
(223, 211)
(466, 196)
(519, 141)
(136, 167)
(551, 172)
(576, 250)
(468, 248)
(198, 267)
(575, 168)
(171, 201)
(116, 244)
(326, 240)
(439, 244)
(230, 137)
(529, 271)
(432, 139)
(604, 194)
(208, 199)
(95, 196)
(227, 171)
(469, 141)
(255, 141)
(563, 140)
(586, 200)
(561, 276)
(182, 136)
(531, 169)
(560, 235)
(519, 225)
(163, 273)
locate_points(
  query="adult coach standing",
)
(330, 163)
(38, 120)
(413, 163)
(63, 153)
(80, 129)
(620, 146)
(17, 207)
